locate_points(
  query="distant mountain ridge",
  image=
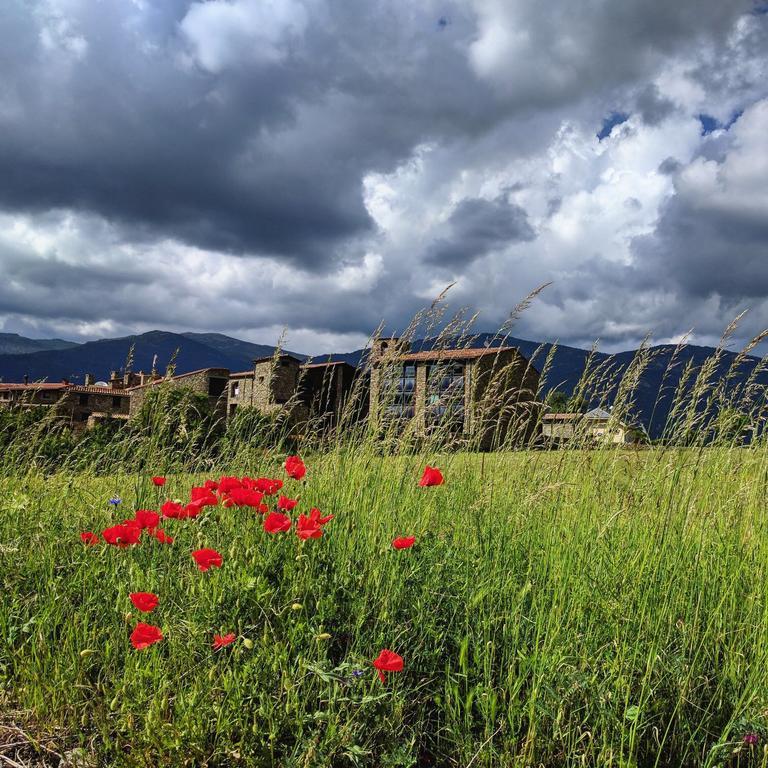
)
(191, 351)
(13, 344)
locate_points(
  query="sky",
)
(318, 167)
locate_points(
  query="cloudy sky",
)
(245, 166)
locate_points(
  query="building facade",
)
(595, 426)
(283, 382)
(80, 405)
(211, 382)
(480, 397)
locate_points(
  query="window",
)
(399, 395)
(261, 379)
(117, 402)
(216, 387)
(84, 416)
(445, 395)
(83, 400)
(232, 409)
(234, 389)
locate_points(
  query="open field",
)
(567, 608)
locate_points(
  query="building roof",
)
(35, 386)
(454, 354)
(561, 416)
(97, 390)
(327, 364)
(281, 356)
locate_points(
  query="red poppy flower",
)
(227, 484)
(287, 504)
(203, 496)
(295, 467)
(207, 558)
(268, 485)
(145, 635)
(388, 661)
(307, 529)
(162, 536)
(211, 485)
(244, 497)
(404, 542)
(159, 481)
(172, 509)
(192, 510)
(122, 535)
(222, 641)
(431, 476)
(145, 602)
(147, 518)
(89, 538)
(315, 516)
(277, 523)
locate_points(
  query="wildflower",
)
(268, 485)
(244, 497)
(89, 538)
(295, 467)
(388, 661)
(358, 672)
(277, 523)
(306, 529)
(431, 476)
(147, 518)
(404, 542)
(122, 535)
(162, 536)
(145, 635)
(158, 481)
(311, 526)
(144, 601)
(172, 509)
(207, 558)
(222, 641)
(324, 636)
(227, 484)
(192, 510)
(203, 496)
(115, 500)
(286, 504)
(296, 606)
(751, 738)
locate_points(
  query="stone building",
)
(595, 426)
(475, 396)
(309, 389)
(211, 382)
(81, 405)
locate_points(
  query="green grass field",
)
(590, 608)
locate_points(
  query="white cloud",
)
(224, 33)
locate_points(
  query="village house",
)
(278, 382)
(595, 426)
(211, 382)
(477, 395)
(81, 405)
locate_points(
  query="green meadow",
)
(566, 608)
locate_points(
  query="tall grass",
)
(560, 608)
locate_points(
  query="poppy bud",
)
(296, 607)
(323, 636)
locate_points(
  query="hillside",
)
(13, 344)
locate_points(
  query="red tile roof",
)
(93, 389)
(35, 386)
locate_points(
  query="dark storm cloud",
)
(218, 126)
(477, 227)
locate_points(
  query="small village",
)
(440, 388)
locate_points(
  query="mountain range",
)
(56, 359)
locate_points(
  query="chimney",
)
(65, 381)
(115, 381)
(26, 379)
(382, 345)
(90, 379)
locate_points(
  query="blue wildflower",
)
(115, 500)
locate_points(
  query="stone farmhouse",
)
(478, 395)
(81, 405)
(595, 426)
(308, 389)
